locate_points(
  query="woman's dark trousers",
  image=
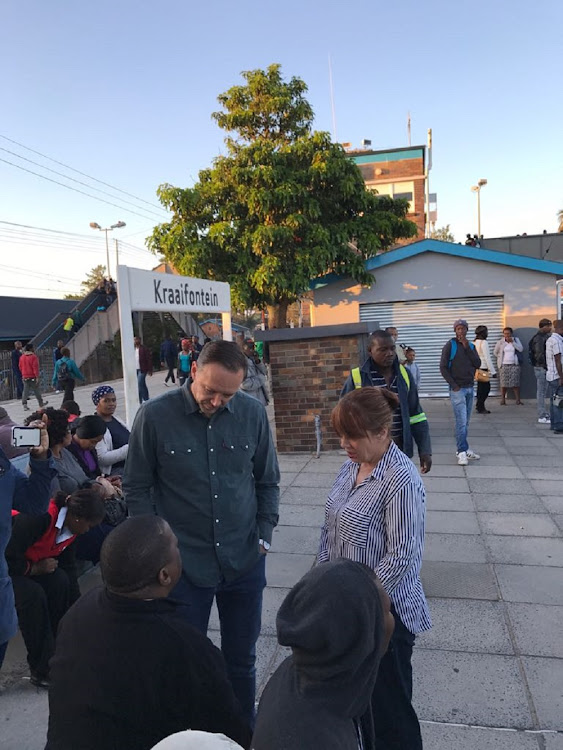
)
(395, 720)
(41, 601)
(483, 390)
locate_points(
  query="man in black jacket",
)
(536, 353)
(383, 370)
(128, 670)
(458, 364)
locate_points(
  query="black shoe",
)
(39, 680)
(558, 432)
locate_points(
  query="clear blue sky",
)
(123, 91)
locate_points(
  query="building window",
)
(403, 190)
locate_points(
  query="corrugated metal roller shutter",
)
(426, 325)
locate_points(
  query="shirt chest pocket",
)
(176, 455)
(353, 527)
(236, 453)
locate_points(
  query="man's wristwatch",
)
(264, 544)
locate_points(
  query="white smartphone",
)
(26, 437)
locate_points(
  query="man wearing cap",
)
(458, 364)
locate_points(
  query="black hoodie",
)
(319, 698)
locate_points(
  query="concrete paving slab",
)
(501, 486)
(518, 524)
(476, 470)
(285, 569)
(526, 441)
(553, 741)
(559, 520)
(24, 714)
(539, 472)
(498, 503)
(536, 461)
(280, 654)
(445, 484)
(304, 496)
(455, 580)
(464, 625)
(450, 522)
(454, 548)
(545, 678)
(295, 515)
(517, 550)
(291, 462)
(447, 737)
(529, 583)
(287, 478)
(537, 447)
(325, 466)
(493, 459)
(548, 487)
(296, 539)
(537, 629)
(553, 503)
(456, 501)
(314, 479)
(439, 470)
(483, 689)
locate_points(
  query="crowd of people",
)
(180, 512)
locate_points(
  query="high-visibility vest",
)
(357, 380)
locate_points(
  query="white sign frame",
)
(139, 290)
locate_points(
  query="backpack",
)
(63, 373)
(453, 351)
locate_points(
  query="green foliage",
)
(73, 296)
(560, 219)
(284, 206)
(443, 233)
(93, 278)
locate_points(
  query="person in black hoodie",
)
(337, 622)
(128, 669)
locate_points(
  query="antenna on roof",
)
(334, 136)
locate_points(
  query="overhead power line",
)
(76, 190)
(78, 182)
(66, 166)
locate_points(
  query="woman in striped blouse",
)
(375, 515)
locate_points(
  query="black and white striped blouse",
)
(381, 523)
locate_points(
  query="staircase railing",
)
(53, 331)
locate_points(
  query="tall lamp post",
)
(95, 225)
(477, 189)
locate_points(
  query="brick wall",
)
(307, 376)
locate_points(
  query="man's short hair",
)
(134, 553)
(544, 322)
(225, 353)
(29, 347)
(378, 335)
(558, 324)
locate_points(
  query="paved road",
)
(490, 673)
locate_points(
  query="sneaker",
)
(462, 458)
(25, 407)
(472, 456)
(39, 681)
(544, 420)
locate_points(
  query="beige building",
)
(423, 287)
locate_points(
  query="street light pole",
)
(477, 189)
(119, 225)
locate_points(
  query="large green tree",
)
(283, 206)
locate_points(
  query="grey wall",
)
(542, 246)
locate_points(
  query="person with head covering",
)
(42, 566)
(112, 449)
(337, 622)
(128, 669)
(375, 515)
(458, 363)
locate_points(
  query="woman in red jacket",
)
(41, 564)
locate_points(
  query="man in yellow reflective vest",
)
(382, 370)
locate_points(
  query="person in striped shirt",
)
(382, 369)
(375, 515)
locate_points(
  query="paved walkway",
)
(490, 673)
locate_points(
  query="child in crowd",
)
(411, 365)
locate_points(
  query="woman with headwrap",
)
(112, 449)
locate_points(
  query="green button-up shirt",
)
(216, 481)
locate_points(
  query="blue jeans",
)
(462, 403)
(142, 386)
(555, 413)
(240, 613)
(541, 391)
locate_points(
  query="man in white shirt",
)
(554, 375)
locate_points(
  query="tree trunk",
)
(277, 315)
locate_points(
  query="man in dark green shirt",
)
(203, 458)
